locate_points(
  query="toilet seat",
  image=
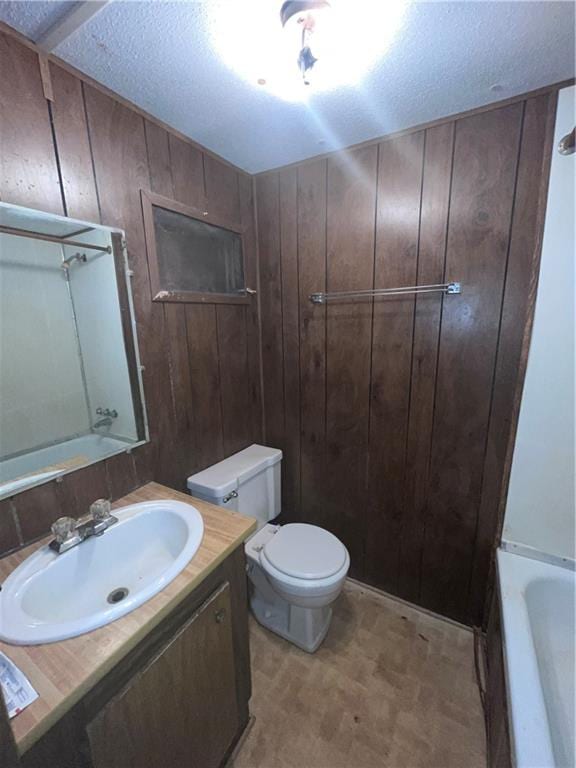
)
(294, 607)
(293, 587)
(303, 552)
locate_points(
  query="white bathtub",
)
(537, 601)
(34, 467)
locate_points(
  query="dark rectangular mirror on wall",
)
(70, 378)
(193, 255)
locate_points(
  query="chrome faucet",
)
(69, 532)
(106, 421)
(108, 417)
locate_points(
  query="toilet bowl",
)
(295, 571)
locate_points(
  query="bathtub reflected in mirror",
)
(70, 377)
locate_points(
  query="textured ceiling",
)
(445, 59)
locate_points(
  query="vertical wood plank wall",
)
(396, 415)
(88, 155)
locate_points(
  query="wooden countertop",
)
(63, 672)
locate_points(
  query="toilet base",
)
(305, 624)
(305, 627)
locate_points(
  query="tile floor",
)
(390, 687)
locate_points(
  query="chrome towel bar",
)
(447, 288)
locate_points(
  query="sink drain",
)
(117, 595)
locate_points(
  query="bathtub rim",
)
(525, 550)
(531, 739)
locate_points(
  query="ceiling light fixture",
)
(305, 15)
(327, 45)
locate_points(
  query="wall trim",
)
(552, 88)
(525, 550)
(362, 586)
(57, 61)
(8, 30)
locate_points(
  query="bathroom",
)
(287, 384)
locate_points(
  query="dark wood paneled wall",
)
(496, 700)
(397, 415)
(88, 155)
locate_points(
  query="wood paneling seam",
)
(219, 358)
(498, 341)
(375, 237)
(282, 325)
(56, 156)
(299, 320)
(84, 78)
(93, 164)
(259, 308)
(326, 195)
(414, 315)
(446, 231)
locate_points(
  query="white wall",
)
(540, 510)
(95, 294)
(41, 390)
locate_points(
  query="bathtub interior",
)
(44, 464)
(551, 613)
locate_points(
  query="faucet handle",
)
(63, 528)
(100, 510)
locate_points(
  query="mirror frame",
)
(124, 276)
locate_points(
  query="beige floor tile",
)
(391, 687)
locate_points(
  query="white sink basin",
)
(52, 597)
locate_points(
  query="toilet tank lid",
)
(222, 478)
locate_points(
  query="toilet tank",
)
(247, 482)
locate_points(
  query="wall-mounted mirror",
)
(70, 378)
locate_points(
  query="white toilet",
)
(296, 571)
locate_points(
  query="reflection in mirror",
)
(70, 383)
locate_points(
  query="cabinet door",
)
(8, 752)
(180, 711)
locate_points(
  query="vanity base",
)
(182, 694)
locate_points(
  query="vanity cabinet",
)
(181, 710)
(179, 699)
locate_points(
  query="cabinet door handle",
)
(219, 616)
